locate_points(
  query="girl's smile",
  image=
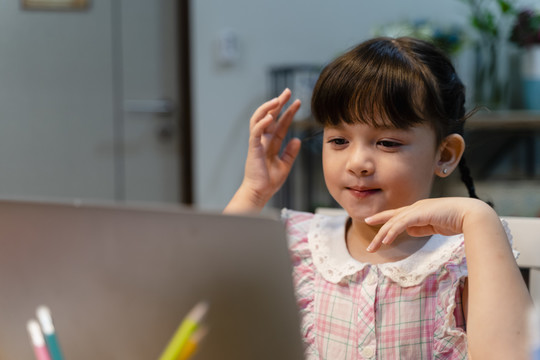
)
(362, 192)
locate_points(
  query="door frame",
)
(185, 148)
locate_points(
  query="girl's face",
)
(368, 170)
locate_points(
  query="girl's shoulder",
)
(306, 230)
(301, 222)
(297, 223)
(295, 216)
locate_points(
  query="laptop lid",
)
(119, 281)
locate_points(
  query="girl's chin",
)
(361, 215)
(361, 210)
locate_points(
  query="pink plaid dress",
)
(409, 309)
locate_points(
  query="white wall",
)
(271, 33)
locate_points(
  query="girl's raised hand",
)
(266, 169)
(445, 216)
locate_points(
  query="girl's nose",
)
(360, 163)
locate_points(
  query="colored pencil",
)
(189, 324)
(192, 344)
(38, 342)
(44, 316)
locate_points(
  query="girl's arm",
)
(266, 170)
(498, 300)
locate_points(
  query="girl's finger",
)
(273, 107)
(282, 99)
(405, 221)
(258, 130)
(282, 126)
(395, 222)
(386, 235)
(291, 151)
(380, 218)
(262, 111)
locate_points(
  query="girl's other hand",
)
(445, 216)
(494, 283)
(266, 169)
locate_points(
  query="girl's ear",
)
(450, 152)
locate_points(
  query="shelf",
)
(504, 120)
(482, 120)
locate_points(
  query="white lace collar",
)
(326, 239)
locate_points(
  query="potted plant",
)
(490, 19)
(526, 35)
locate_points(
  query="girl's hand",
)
(445, 216)
(266, 169)
(494, 283)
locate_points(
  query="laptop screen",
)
(119, 281)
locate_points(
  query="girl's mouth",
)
(362, 192)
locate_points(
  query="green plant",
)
(449, 38)
(488, 16)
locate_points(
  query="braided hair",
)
(397, 82)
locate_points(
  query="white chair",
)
(526, 235)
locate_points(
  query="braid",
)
(467, 179)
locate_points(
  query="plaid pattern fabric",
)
(367, 315)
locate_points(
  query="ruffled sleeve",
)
(450, 334)
(450, 340)
(510, 238)
(297, 225)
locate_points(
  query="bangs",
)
(375, 84)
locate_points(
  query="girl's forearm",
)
(498, 300)
(245, 201)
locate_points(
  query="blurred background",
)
(149, 101)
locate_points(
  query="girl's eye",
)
(389, 144)
(338, 141)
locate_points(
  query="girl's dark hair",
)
(387, 82)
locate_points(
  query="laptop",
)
(119, 280)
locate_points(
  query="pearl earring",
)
(445, 171)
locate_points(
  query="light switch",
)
(228, 47)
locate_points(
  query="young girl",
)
(402, 276)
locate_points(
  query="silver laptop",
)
(118, 281)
